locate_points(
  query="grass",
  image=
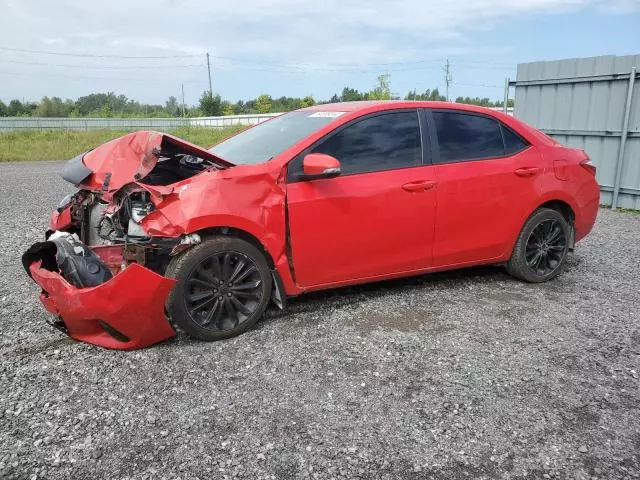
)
(623, 209)
(64, 144)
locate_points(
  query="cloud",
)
(292, 37)
(327, 31)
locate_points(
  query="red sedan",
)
(162, 232)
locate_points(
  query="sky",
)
(70, 48)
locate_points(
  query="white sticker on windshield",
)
(326, 114)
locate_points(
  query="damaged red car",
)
(163, 233)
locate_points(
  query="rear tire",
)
(223, 286)
(542, 247)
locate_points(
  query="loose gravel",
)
(468, 374)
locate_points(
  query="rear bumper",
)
(588, 207)
(124, 313)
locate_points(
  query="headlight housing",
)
(64, 202)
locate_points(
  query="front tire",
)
(542, 247)
(223, 286)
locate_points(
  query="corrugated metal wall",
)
(582, 103)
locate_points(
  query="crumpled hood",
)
(128, 159)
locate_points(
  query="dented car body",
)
(318, 198)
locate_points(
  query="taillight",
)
(588, 166)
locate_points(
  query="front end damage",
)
(101, 273)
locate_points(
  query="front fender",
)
(256, 207)
(254, 204)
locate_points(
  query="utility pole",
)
(182, 100)
(505, 106)
(209, 70)
(447, 77)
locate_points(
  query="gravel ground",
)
(467, 374)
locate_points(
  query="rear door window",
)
(463, 136)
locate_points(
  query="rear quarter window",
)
(513, 143)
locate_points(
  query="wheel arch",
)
(556, 201)
(239, 233)
(562, 207)
(283, 284)
(268, 238)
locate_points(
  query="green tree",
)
(307, 101)
(172, 107)
(15, 108)
(240, 108)
(61, 108)
(483, 102)
(45, 108)
(210, 105)
(227, 108)
(3, 109)
(104, 111)
(428, 94)
(263, 104)
(382, 90)
(352, 95)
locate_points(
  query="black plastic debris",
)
(63, 252)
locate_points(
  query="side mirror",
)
(319, 165)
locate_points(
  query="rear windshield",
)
(266, 140)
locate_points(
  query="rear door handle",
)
(527, 171)
(419, 186)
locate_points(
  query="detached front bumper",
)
(124, 313)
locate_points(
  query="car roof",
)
(372, 105)
(354, 109)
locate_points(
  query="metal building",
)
(594, 104)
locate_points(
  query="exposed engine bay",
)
(99, 223)
(118, 221)
(116, 194)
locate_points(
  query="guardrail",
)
(50, 123)
(8, 124)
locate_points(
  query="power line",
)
(91, 55)
(477, 85)
(338, 67)
(484, 68)
(306, 68)
(84, 77)
(482, 63)
(346, 64)
(103, 67)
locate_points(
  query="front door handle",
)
(419, 186)
(527, 171)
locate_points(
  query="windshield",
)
(268, 139)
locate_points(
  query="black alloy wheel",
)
(542, 247)
(223, 291)
(223, 286)
(545, 247)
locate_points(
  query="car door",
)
(376, 218)
(488, 177)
